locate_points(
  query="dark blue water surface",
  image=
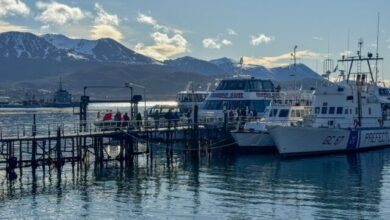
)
(340, 186)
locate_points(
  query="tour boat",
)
(238, 93)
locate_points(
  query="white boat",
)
(349, 115)
(188, 98)
(254, 136)
(237, 94)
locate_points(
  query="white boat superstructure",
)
(188, 98)
(283, 112)
(349, 115)
(237, 94)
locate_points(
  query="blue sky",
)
(263, 31)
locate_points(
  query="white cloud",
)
(280, 60)
(226, 42)
(13, 8)
(142, 18)
(164, 46)
(318, 38)
(145, 19)
(106, 25)
(231, 31)
(5, 27)
(106, 31)
(105, 18)
(215, 43)
(168, 41)
(211, 43)
(261, 39)
(58, 13)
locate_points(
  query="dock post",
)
(101, 150)
(43, 154)
(195, 129)
(20, 155)
(225, 122)
(129, 145)
(34, 145)
(73, 149)
(58, 149)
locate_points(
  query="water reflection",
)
(339, 186)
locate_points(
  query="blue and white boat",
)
(349, 115)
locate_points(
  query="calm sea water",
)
(355, 186)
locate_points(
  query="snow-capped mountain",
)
(20, 45)
(17, 45)
(25, 56)
(81, 46)
(226, 64)
(101, 50)
(191, 64)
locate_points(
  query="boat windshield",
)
(249, 85)
(258, 105)
(189, 97)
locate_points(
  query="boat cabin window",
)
(324, 110)
(297, 113)
(317, 110)
(253, 105)
(246, 84)
(384, 92)
(339, 110)
(293, 113)
(283, 113)
(331, 110)
(189, 97)
(273, 113)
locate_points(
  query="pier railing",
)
(22, 130)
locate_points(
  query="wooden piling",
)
(58, 149)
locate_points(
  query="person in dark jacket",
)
(139, 120)
(169, 117)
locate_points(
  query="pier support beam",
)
(60, 162)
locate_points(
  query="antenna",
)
(294, 55)
(377, 51)
(359, 52)
(241, 64)
(349, 32)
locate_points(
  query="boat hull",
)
(300, 140)
(253, 141)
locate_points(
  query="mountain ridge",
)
(26, 57)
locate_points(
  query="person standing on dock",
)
(126, 120)
(139, 120)
(231, 115)
(156, 117)
(118, 118)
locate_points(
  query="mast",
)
(377, 51)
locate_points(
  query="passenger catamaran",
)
(352, 114)
(238, 93)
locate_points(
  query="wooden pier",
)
(55, 147)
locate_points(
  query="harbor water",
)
(353, 186)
